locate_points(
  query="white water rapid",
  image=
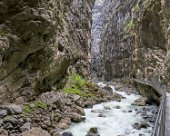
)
(116, 121)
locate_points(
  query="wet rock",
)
(142, 101)
(67, 134)
(101, 115)
(97, 110)
(144, 124)
(88, 105)
(136, 126)
(107, 108)
(117, 107)
(93, 132)
(108, 90)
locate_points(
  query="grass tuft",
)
(78, 85)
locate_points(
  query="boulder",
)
(35, 132)
(25, 127)
(3, 113)
(76, 117)
(80, 110)
(93, 132)
(67, 134)
(117, 107)
(101, 115)
(108, 90)
(142, 101)
(12, 109)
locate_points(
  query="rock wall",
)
(96, 32)
(116, 43)
(40, 42)
(135, 40)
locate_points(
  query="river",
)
(116, 121)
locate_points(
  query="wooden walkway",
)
(167, 118)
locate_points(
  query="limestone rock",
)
(67, 134)
(3, 113)
(13, 109)
(93, 132)
(142, 101)
(35, 132)
(25, 127)
(40, 43)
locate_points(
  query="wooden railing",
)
(159, 128)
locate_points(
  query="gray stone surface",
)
(40, 42)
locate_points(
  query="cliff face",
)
(135, 39)
(116, 43)
(96, 32)
(40, 42)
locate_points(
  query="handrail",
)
(159, 128)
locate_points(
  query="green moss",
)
(41, 105)
(78, 92)
(136, 8)
(78, 85)
(27, 109)
(130, 25)
(77, 80)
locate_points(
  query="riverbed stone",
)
(25, 127)
(80, 110)
(3, 113)
(117, 107)
(13, 109)
(76, 118)
(93, 132)
(101, 115)
(142, 101)
(35, 132)
(67, 134)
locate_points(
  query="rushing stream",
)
(115, 121)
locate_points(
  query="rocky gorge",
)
(135, 40)
(54, 55)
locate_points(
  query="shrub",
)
(41, 104)
(78, 85)
(27, 109)
(77, 80)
